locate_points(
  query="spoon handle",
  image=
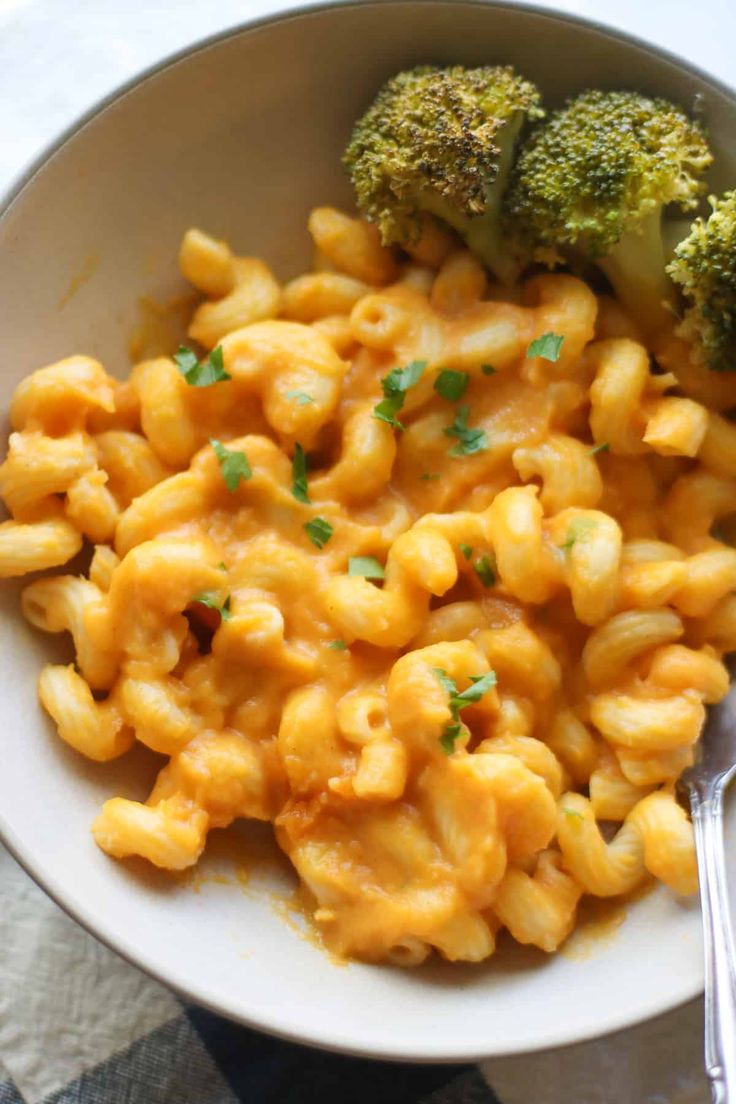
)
(720, 965)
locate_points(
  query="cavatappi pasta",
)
(424, 576)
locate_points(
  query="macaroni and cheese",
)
(426, 577)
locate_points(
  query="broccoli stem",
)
(635, 268)
(482, 233)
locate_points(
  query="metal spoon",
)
(705, 784)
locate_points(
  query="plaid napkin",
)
(78, 1025)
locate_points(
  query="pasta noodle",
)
(375, 571)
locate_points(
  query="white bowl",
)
(242, 136)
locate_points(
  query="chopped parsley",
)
(427, 476)
(338, 645)
(222, 566)
(395, 385)
(485, 569)
(452, 733)
(603, 447)
(367, 566)
(387, 409)
(444, 680)
(479, 685)
(233, 465)
(466, 550)
(547, 346)
(299, 475)
(301, 398)
(399, 380)
(572, 813)
(212, 601)
(577, 530)
(488, 369)
(319, 531)
(451, 385)
(469, 441)
(204, 373)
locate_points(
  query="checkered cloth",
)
(80, 1026)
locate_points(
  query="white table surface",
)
(57, 57)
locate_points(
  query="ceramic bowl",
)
(242, 135)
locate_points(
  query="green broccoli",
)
(704, 266)
(441, 142)
(591, 184)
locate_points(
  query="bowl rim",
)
(9, 839)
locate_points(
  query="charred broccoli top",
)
(592, 182)
(704, 266)
(440, 141)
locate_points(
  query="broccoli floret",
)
(592, 183)
(704, 266)
(441, 142)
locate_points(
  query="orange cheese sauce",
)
(437, 659)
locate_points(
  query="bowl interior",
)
(242, 137)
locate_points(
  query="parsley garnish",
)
(452, 732)
(395, 385)
(469, 441)
(301, 398)
(207, 598)
(547, 346)
(319, 531)
(299, 475)
(485, 570)
(466, 550)
(338, 645)
(488, 369)
(603, 447)
(451, 385)
(479, 685)
(222, 566)
(399, 380)
(444, 680)
(233, 465)
(427, 476)
(572, 813)
(387, 409)
(367, 566)
(204, 374)
(578, 529)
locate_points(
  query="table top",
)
(58, 57)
